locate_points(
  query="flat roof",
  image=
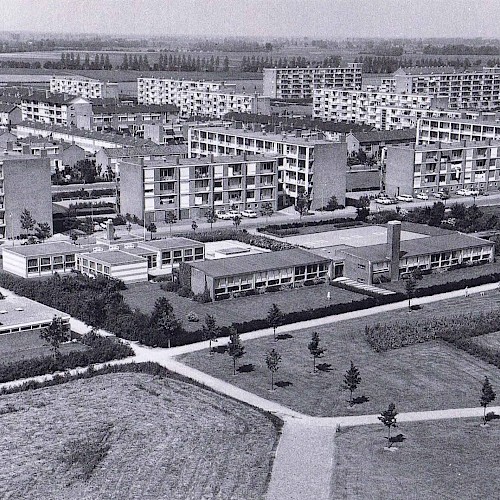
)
(258, 262)
(44, 249)
(170, 243)
(424, 246)
(113, 257)
(265, 136)
(18, 311)
(217, 160)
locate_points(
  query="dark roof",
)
(246, 264)
(386, 135)
(135, 108)
(50, 98)
(7, 107)
(437, 70)
(155, 149)
(270, 121)
(420, 246)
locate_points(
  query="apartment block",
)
(199, 98)
(468, 89)
(83, 87)
(54, 109)
(24, 184)
(298, 83)
(433, 167)
(317, 167)
(189, 187)
(442, 129)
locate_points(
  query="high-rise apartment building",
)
(317, 167)
(84, 87)
(298, 83)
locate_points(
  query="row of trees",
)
(255, 64)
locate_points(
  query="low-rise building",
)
(225, 278)
(10, 114)
(189, 187)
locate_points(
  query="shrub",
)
(193, 317)
(203, 297)
(169, 286)
(185, 291)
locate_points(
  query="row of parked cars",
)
(231, 214)
(384, 199)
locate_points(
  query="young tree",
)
(170, 218)
(266, 210)
(163, 322)
(410, 286)
(273, 360)
(55, 334)
(42, 231)
(27, 221)
(151, 228)
(274, 318)
(352, 379)
(211, 217)
(194, 226)
(332, 204)
(302, 204)
(236, 221)
(235, 348)
(388, 418)
(210, 331)
(487, 396)
(315, 349)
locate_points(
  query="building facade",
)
(298, 83)
(317, 167)
(83, 87)
(190, 187)
(443, 166)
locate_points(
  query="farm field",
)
(446, 459)
(143, 296)
(136, 437)
(431, 375)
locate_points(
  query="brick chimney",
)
(393, 247)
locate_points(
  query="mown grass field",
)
(443, 459)
(143, 295)
(432, 375)
(132, 436)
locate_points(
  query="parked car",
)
(233, 214)
(249, 213)
(223, 215)
(383, 201)
(463, 192)
(483, 193)
(422, 196)
(474, 192)
(441, 195)
(404, 197)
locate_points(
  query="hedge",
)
(341, 222)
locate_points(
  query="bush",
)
(185, 291)
(203, 297)
(193, 317)
(169, 286)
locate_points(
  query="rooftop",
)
(258, 262)
(386, 135)
(134, 108)
(43, 249)
(169, 161)
(170, 243)
(146, 150)
(113, 257)
(7, 107)
(60, 99)
(438, 70)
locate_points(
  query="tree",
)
(151, 228)
(362, 208)
(352, 379)
(266, 210)
(194, 226)
(273, 360)
(210, 331)
(410, 286)
(27, 221)
(274, 318)
(170, 218)
(235, 348)
(211, 217)
(302, 203)
(487, 396)
(332, 204)
(436, 214)
(315, 349)
(164, 322)
(388, 418)
(237, 221)
(55, 334)
(42, 231)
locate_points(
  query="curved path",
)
(303, 465)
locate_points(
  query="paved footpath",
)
(304, 461)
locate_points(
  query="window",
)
(45, 264)
(177, 256)
(165, 258)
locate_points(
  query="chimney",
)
(10, 146)
(26, 149)
(110, 230)
(177, 160)
(43, 153)
(393, 247)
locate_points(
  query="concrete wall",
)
(130, 273)
(399, 170)
(198, 281)
(72, 155)
(357, 269)
(26, 186)
(131, 197)
(361, 180)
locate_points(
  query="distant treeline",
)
(461, 49)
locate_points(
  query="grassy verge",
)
(448, 459)
(424, 376)
(138, 437)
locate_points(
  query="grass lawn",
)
(444, 459)
(438, 278)
(131, 436)
(426, 376)
(490, 340)
(143, 296)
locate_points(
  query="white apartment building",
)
(317, 167)
(448, 130)
(198, 97)
(298, 83)
(83, 87)
(469, 89)
(433, 167)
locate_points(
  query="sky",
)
(265, 18)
